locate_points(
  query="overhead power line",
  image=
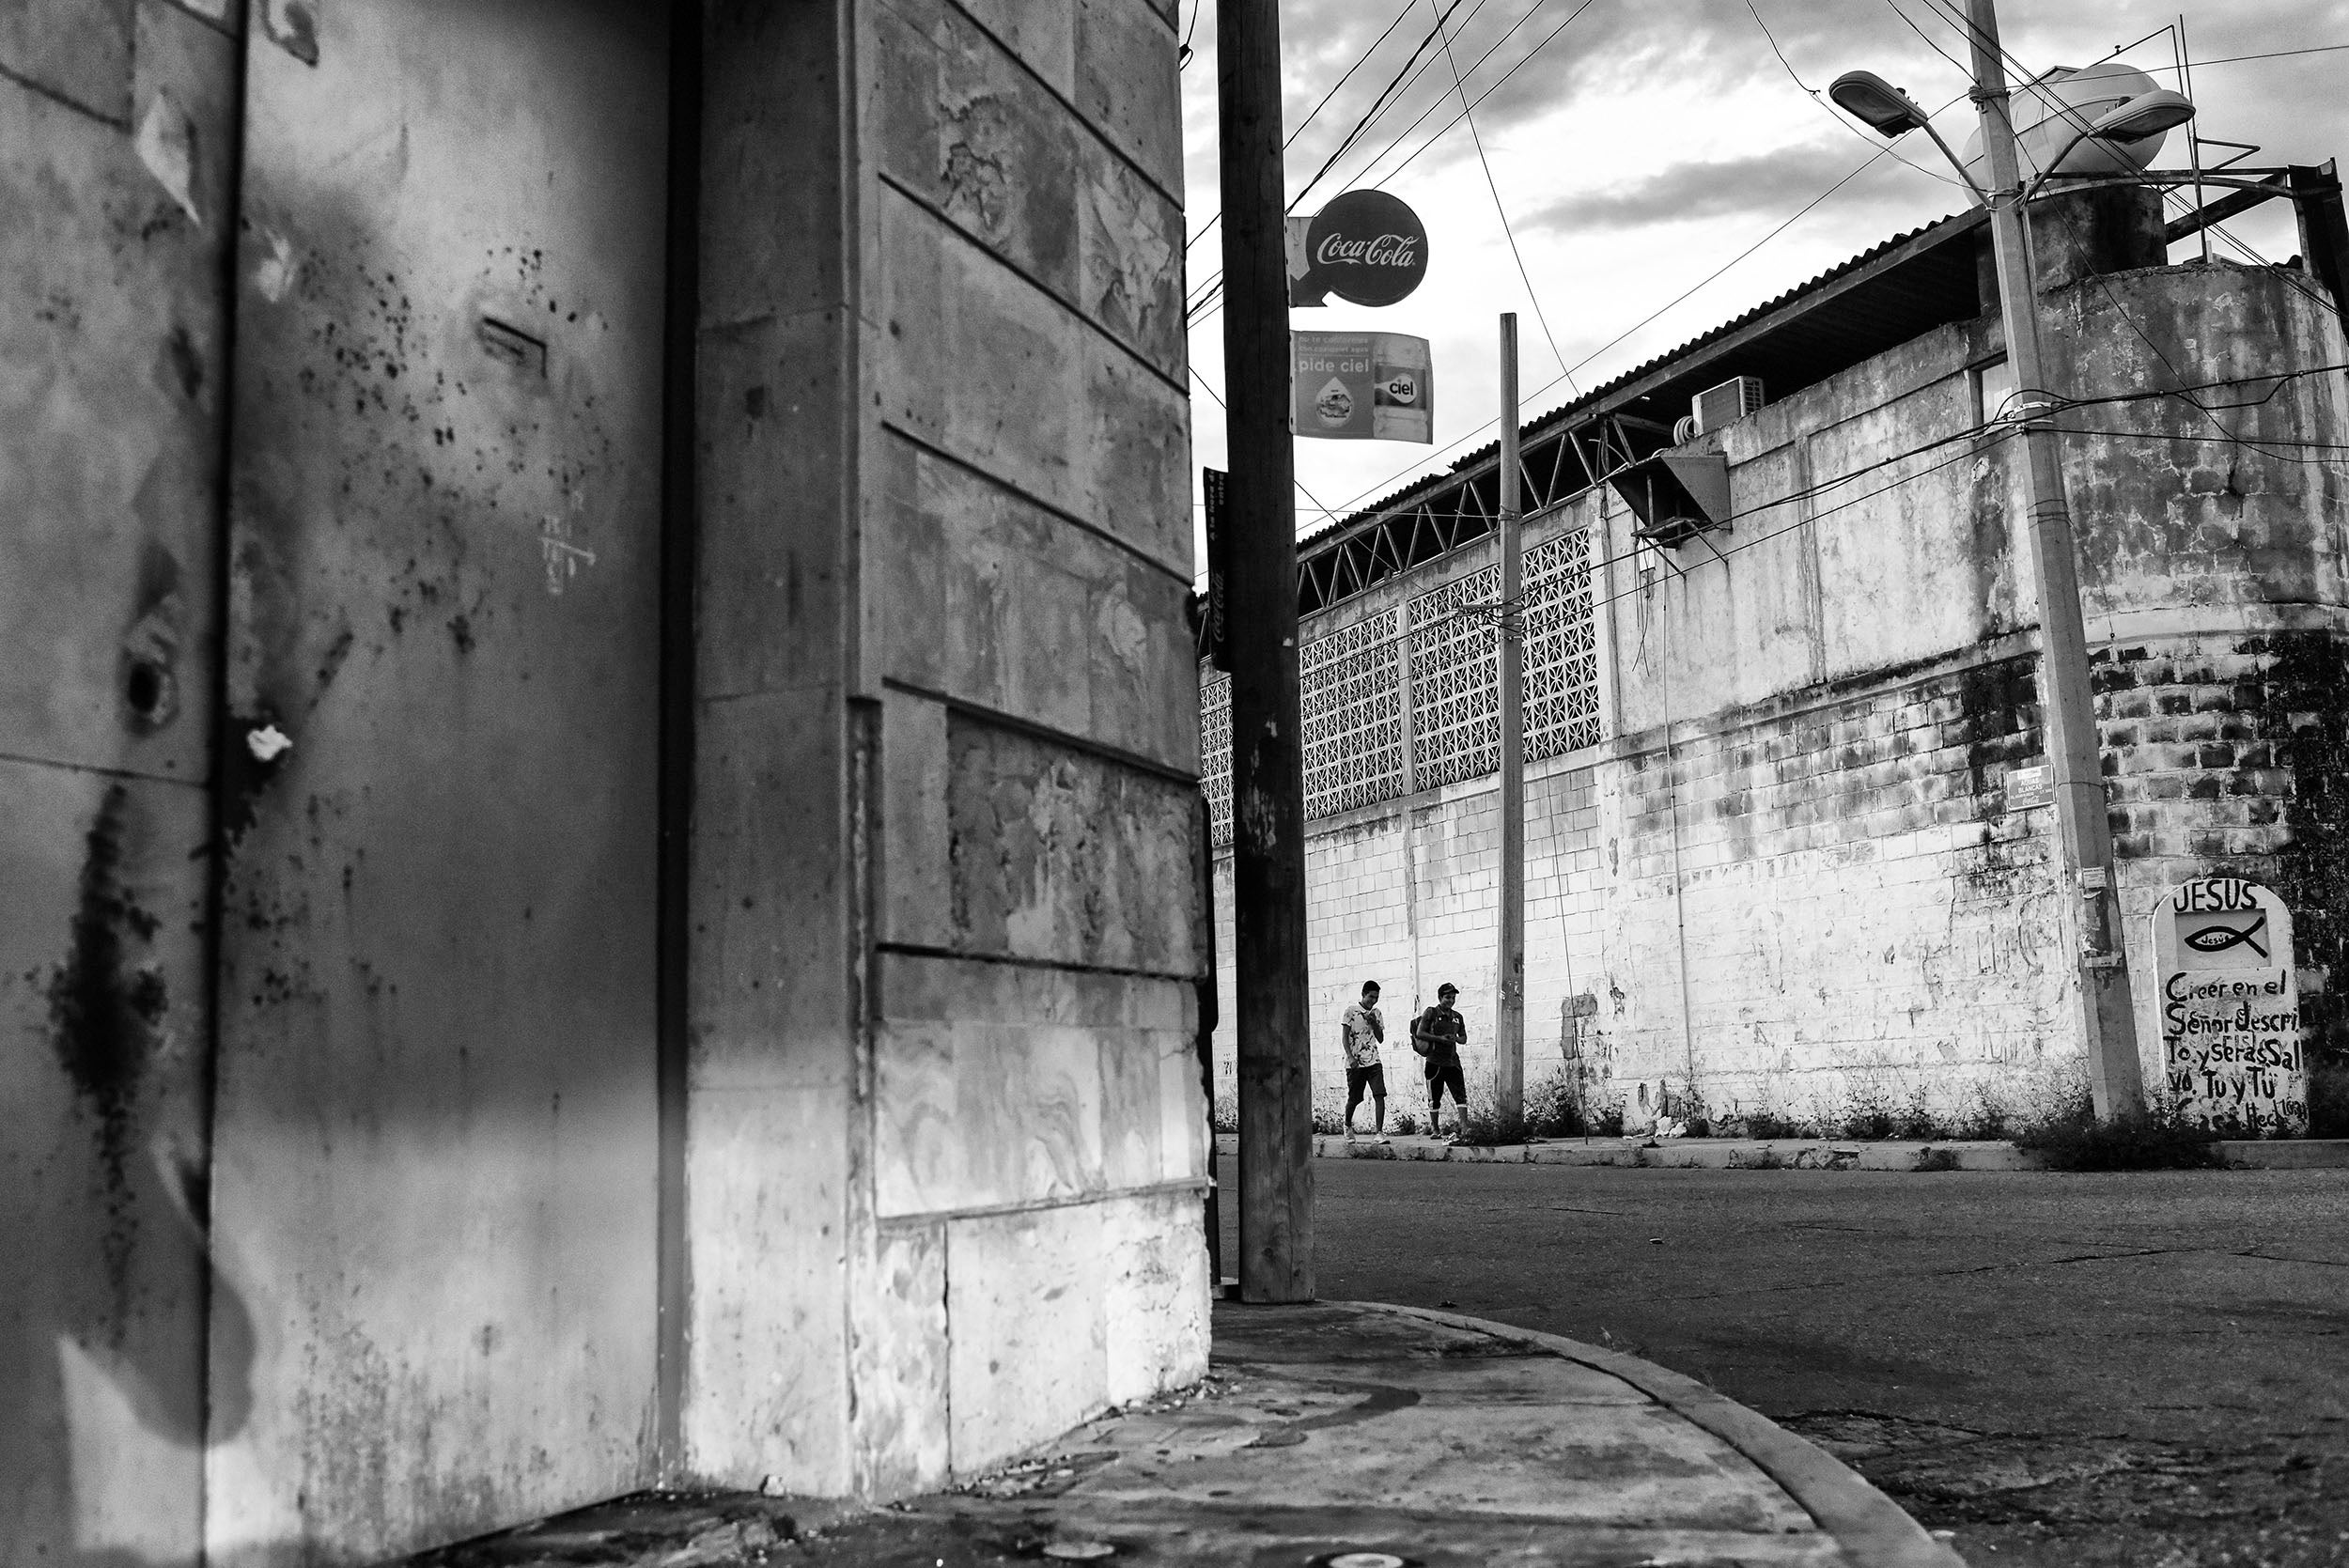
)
(1359, 60)
(1507, 231)
(1201, 306)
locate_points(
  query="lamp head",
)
(2149, 114)
(1870, 99)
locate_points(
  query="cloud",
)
(1774, 182)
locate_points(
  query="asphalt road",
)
(2148, 1370)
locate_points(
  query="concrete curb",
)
(1873, 1530)
(1738, 1154)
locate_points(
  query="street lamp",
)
(2149, 114)
(1886, 109)
(2088, 894)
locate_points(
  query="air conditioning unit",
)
(1725, 404)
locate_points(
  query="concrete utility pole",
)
(1276, 1113)
(2074, 753)
(1509, 1012)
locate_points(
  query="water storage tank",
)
(2042, 125)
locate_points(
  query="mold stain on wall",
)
(105, 1006)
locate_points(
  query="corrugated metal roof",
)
(1859, 331)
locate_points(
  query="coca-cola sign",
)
(1365, 246)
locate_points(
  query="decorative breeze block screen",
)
(1214, 750)
(1456, 682)
(1560, 648)
(1352, 683)
(1353, 720)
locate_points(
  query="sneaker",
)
(1384, 1138)
(1349, 1135)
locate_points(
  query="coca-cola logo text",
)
(1366, 247)
(1387, 250)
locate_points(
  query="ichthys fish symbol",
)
(2217, 939)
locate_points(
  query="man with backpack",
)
(1437, 1035)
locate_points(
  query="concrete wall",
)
(117, 122)
(1788, 876)
(920, 1184)
(941, 1072)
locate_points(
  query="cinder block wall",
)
(1789, 876)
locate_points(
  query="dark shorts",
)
(1446, 1077)
(1372, 1077)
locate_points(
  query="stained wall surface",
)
(435, 1122)
(117, 123)
(942, 1080)
(1786, 876)
(1038, 1132)
(917, 1181)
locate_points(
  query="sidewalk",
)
(1783, 1154)
(1335, 1435)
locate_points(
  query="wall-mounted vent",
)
(1725, 404)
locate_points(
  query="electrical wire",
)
(1813, 93)
(1996, 435)
(2003, 427)
(1195, 309)
(1947, 8)
(1397, 84)
(1220, 403)
(1626, 333)
(1435, 103)
(2271, 55)
(1201, 306)
(1508, 231)
(1359, 60)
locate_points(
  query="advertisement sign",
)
(2027, 787)
(1363, 386)
(1366, 247)
(1213, 481)
(2230, 1002)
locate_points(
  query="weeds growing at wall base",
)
(1554, 1108)
(2161, 1140)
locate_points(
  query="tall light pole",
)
(2089, 897)
(1509, 1011)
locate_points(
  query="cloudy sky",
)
(1643, 146)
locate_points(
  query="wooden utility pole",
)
(1276, 1115)
(2085, 882)
(1509, 1011)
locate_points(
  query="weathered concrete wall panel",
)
(944, 737)
(111, 376)
(115, 119)
(1067, 857)
(1040, 1347)
(774, 1147)
(104, 1006)
(1039, 401)
(968, 130)
(78, 52)
(769, 1183)
(998, 1085)
(436, 1116)
(1002, 606)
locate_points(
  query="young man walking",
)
(1365, 1030)
(1437, 1035)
